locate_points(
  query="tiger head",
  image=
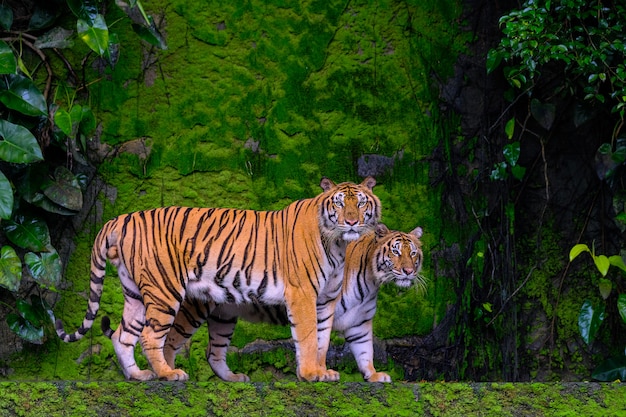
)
(398, 257)
(348, 210)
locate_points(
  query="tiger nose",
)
(407, 271)
(351, 222)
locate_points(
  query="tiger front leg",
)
(360, 339)
(325, 317)
(303, 318)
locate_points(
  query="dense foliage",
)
(45, 122)
(554, 53)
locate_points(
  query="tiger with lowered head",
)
(292, 256)
(374, 259)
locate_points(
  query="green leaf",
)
(65, 190)
(25, 329)
(63, 120)
(589, 321)
(28, 232)
(6, 17)
(605, 286)
(509, 129)
(511, 153)
(45, 268)
(10, 269)
(577, 250)
(543, 113)
(151, 35)
(95, 35)
(42, 309)
(618, 261)
(18, 145)
(6, 197)
(8, 64)
(43, 17)
(602, 263)
(87, 121)
(494, 58)
(20, 94)
(621, 306)
(84, 9)
(518, 172)
(612, 369)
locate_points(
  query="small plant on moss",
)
(591, 316)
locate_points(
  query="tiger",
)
(292, 256)
(374, 259)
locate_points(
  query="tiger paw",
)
(145, 375)
(324, 375)
(379, 377)
(174, 375)
(237, 378)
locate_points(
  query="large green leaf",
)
(18, 145)
(10, 269)
(95, 35)
(45, 268)
(28, 233)
(589, 321)
(8, 64)
(6, 197)
(65, 190)
(25, 329)
(610, 370)
(20, 94)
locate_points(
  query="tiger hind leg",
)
(153, 337)
(221, 327)
(125, 339)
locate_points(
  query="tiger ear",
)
(369, 182)
(417, 232)
(326, 184)
(381, 230)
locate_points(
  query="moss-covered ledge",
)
(310, 399)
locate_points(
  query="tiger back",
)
(374, 259)
(292, 256)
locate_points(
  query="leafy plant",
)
(34, 119)
(591, 317)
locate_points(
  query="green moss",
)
(317, 85)
(320, 399)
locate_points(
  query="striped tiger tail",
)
(104, 247)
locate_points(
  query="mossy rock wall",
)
(249, 107)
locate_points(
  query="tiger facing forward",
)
(372, 260)
(292, 256)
